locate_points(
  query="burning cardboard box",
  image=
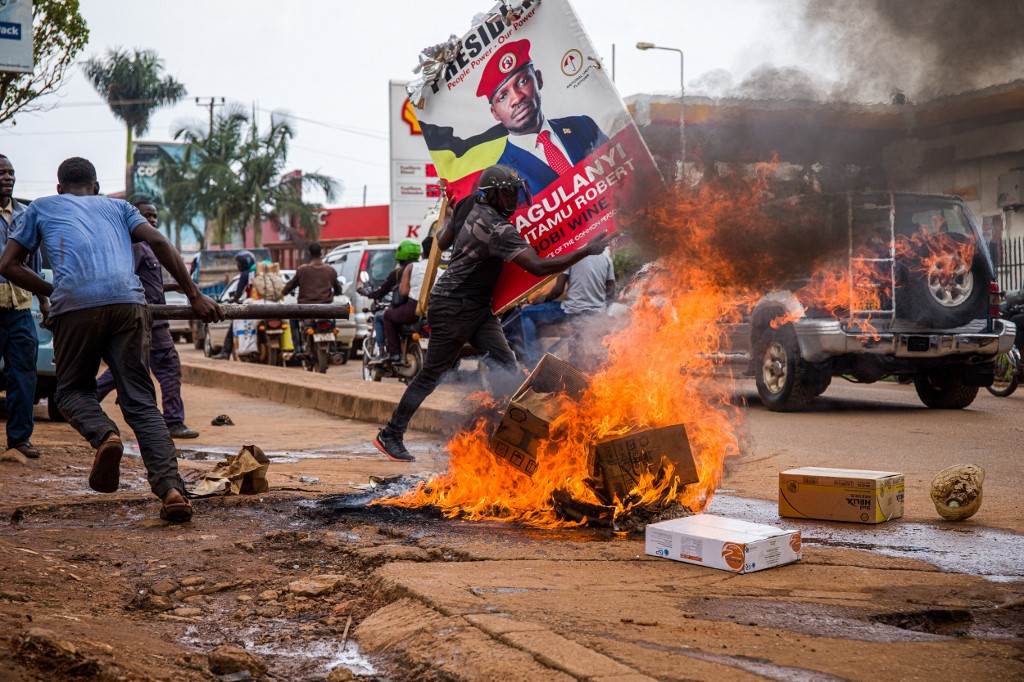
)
(619, 463)
(723, 543)
(851, 495)
(531, 410)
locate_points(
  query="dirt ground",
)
(95, 586)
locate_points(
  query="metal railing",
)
(1009, 259)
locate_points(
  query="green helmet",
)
(408, 250)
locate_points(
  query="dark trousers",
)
(453, 324)
(393, 319)
(18, 348)
(119, 336)
(166, 366)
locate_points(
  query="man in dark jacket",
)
(460, 303)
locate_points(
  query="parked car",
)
(181, 330)
(215, 333)
(939, 331)
(46, 370)
(350, 261)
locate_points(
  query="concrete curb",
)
(339, 394)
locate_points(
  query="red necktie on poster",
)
(556, 159)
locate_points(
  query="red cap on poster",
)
(511, 57)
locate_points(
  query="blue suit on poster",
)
(579, 135)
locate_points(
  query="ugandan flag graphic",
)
(460, 161)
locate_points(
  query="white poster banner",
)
(415, 188)
(16, 36)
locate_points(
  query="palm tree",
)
(133, 85)
(178, 204)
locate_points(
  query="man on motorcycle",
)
(402, 309)
(246, 263)
(460, 303)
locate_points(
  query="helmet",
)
(408, 250)
(501, 188)
(245, 260)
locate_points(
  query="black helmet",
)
(501, 188)
(245, 260)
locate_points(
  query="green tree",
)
(133, 84)
(178, 208)
(235, 172)
(58, 34)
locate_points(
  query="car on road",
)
(350, 261)
(181, 330)
(215, 333)
(934, 318)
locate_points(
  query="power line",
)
(65, 132)
(365, 132)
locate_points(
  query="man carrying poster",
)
(579, 153)
(460, 304)
(539, 149)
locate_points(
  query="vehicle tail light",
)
(425, 329)
(274, 324)
(416, 337)
(310, 331)
(262, 327)
(324, 325)
(995, 297)
(364, 263)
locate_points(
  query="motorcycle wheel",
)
(274, 356)
(370, 373)
(1007, 375)
(413, 361)
(322, 359)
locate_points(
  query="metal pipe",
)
(258, 311)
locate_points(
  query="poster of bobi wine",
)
(525, 88)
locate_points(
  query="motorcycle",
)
(413, 340)
(270, 342)
(1009, 366)
(319, 342)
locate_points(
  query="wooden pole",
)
(258, 311)
(432, 261)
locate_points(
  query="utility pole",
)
(613, 62)
(364, 195)
(210, 103)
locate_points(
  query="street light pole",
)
(682, 92)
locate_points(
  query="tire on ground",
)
(944, 390)
(802, 382)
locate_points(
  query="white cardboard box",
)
(724, 543)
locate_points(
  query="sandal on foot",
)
(105, 476)
(178, 511)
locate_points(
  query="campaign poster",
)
(16, 36)
(530, 92)
(415, 187)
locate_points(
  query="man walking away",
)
(591, 288)
(163, 358)
(460, 303)
(18, 341)
(98, 313)
(316, 281)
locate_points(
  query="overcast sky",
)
(330, 61)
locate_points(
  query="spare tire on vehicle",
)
(942, 281)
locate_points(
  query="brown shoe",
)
(28, 450)
(105, 476)
(175, 507)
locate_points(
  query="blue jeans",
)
(18, 347)
(532, 316)
(378, 333)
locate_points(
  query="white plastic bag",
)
(245, 336)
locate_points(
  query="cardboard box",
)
(531, 410)
(723, 543)
(618, 463)
(841, 494)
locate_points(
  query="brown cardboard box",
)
(620, 462)
(841, 494)
(531, 410)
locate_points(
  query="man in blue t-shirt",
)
(98, 312)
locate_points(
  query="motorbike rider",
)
(460, 302)
(397, 284)
(246, 263)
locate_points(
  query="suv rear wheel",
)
(944, 390)
(784, 381)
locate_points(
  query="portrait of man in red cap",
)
(541, 149)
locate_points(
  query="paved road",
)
(884, 426)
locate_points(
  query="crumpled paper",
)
(241, 474)
(434, 59)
